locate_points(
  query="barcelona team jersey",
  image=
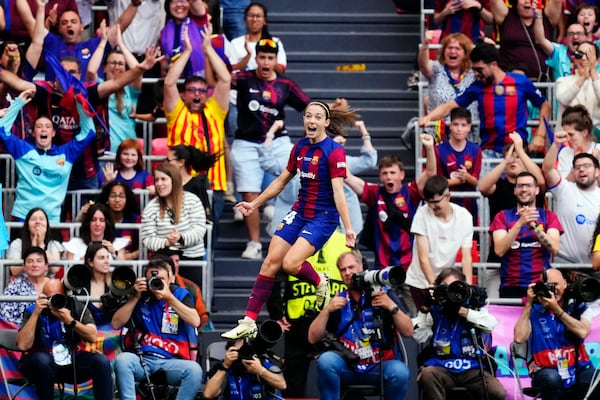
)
(317, 164)
(502, 108)
(524, 262)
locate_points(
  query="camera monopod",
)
(474, 337)
(138, 350)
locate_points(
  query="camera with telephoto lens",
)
(578, 54)
(374, 281)
(584, 290)
(269, 333)
(154, 282)
(121, 288)
(57, 301)
(543, 289)
(460, 293)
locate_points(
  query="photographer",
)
(348, 316)
(559, 358)
(452, 360)
(53, 337)
(241, 377)
(164, 320)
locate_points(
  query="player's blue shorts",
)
(316, 230)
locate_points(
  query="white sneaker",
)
(268, 212)
(246, 328)
(237, 215)
(322, 293)
(253, 251)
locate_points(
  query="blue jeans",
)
(550, 384)
(333, 373)
(185, 373)
(40, 369)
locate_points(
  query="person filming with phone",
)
(559, 361)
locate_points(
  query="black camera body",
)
(584, 290)
(58, 301)
(269, 333)
(543, 289)
(154, 282)
(460, 293)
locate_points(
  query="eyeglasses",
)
(267, 43)
(171, 214)
(172, 159)
(571, 34)
(525, 185)
(438, 201)
(255, 16)
(118, 63)
(583, 166)
(117, 196)
(196, 90)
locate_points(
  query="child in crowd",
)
(459, 159)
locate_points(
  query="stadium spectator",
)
(468, 17)
(508, 93)
(392, 206)
(196, 119)
(36, 232)
(459, 160)
(175, 218)
(97, 226)
(576, 203)
(499, 187)
(29, 283)
(128, 168)
(515, 21)
(525, 239)
(448, 76)
(441, 230)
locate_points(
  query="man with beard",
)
(576, 203)
(195, 116)
(392, 207)
(525, 237)
(502, 99)
(499, 185)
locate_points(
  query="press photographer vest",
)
(554, 346)
(355, 330)
(453, 347)
(250, 386)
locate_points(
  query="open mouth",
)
(71, 32)
(389, 185)
(196, 101)
(43, 137)
(453, 58)
(311, 129)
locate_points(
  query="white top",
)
(569, 94)
(446, 238)
(77, 247)
(577, 211)
(566, 155)
(145, 27)
(16, 246)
